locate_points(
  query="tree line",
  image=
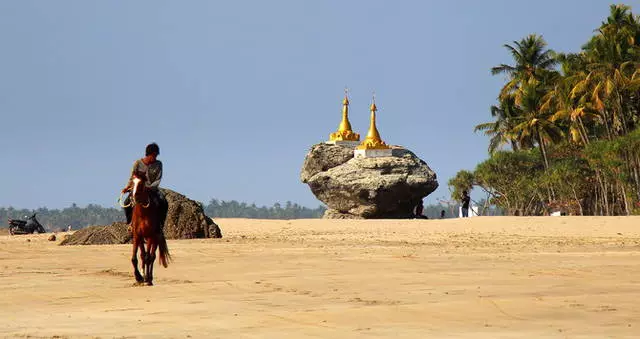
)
(564, 132)
(234, 209)
(74, 216)
(80, 217)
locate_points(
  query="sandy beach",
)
(488, 277)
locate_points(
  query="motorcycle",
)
(29, 226)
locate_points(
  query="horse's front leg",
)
(151, 257)
(143, 255)
(134, 259)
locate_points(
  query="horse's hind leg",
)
(134, 260)
(151, 257)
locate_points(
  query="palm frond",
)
(487, 126)
(560, 115)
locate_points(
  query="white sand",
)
(489, 277)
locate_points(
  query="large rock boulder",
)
(387, 187)
(185, 220)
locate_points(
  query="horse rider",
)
(152, 168)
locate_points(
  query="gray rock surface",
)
(323, 157)
(388, 187)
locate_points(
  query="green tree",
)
(531, 60)
(534, 123)
(501, 131)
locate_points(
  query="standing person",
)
(442, 214)
(465, 204)
(152, 168)
(419, 211)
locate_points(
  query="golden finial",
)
(345, 101)
(373, 140)
(373, 102)
(344, 132)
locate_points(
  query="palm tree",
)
(575, 112)
(534, 122)
(501, 130)
(612, 62)
(620, 20)
(609, 89)
(531, 59)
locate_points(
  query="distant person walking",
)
(442, 214)
(465, 204)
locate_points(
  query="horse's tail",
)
(165, 257)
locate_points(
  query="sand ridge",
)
(488, 277)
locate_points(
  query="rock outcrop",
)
(185, 220)
(386, 187)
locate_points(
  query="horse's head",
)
(139, 192)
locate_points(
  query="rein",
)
(132, 202)
(147, 204)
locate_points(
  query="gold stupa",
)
(344, 132)
(373, 140)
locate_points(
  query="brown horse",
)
(146, 228)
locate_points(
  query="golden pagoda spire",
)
(344, 132)
(373, 140)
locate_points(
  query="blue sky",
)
(235, 92)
